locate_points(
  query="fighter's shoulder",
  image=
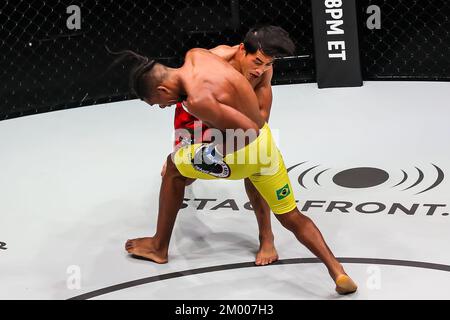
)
(195, 52)
(220, 47)
(224, 51)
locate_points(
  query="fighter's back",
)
(209, 74)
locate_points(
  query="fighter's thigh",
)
(276, 189)
(182, 160)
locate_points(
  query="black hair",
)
(141, 66)
(271, 40)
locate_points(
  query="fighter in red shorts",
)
(184, 120)
(254, 59)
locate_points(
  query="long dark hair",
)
(141, 65)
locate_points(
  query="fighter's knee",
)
(171, 168)
(249, 187)
(284, 217)
(290, 219)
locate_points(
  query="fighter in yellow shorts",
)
(216, 93)
(268, 175)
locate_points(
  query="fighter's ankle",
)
(266, 237)
(159, 244)
(337, 273)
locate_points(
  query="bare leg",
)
(189, 181)
(170, 199)
(267, 252)
(309, 235)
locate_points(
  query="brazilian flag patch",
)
(283, 192)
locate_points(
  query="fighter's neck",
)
(176, 81)
(235, 63)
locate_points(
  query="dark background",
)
(44, 66)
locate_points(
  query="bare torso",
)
(205, 72)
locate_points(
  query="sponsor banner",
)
(336, 43)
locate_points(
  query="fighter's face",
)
(253, 65)
(163, 97)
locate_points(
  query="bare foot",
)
(266, 254)
(147, 248)
(345, 285)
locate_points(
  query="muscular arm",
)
(222, 117)
(219, 115)
(264, 94)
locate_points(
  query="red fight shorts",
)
(195, 127)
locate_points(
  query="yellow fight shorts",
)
(260, 161)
